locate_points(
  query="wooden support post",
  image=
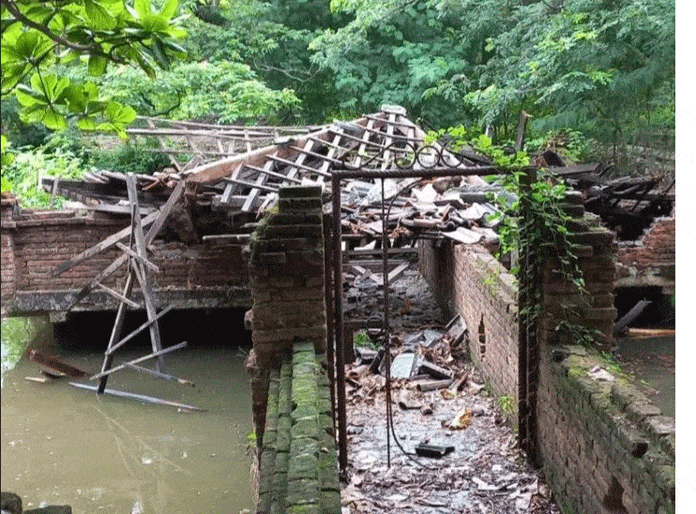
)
(115, 333)
(144, 275)
(138, 330)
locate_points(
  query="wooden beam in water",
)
(141, 359)
(53, 362)
(140, 397)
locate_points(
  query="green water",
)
(651, 361)
(63, 445)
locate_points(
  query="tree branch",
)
(28, 22)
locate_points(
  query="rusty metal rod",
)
(426, 172)
(330, 334)
(338, 313)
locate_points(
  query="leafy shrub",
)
(23, 176)
(129, 157)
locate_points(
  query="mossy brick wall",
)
(286, 277)
(469, 281)
(34, 242)
(606, 449)
(298, 466)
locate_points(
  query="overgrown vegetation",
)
(597, 78)
(532, 223)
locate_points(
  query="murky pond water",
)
(63, 445)
(651, 360)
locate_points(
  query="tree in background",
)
(39, 35)
(606, 68)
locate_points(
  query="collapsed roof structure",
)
(233, 175)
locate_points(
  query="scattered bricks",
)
(575, 211)
(574, 197)
(592, 237)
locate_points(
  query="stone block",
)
(330, 502)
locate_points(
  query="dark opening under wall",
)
(199, 327)
(660, 312)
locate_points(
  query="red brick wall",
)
(469, 281)
(604, 447)
(650, 261)
(656, 247)
(33, 243)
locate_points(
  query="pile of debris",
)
(450, 449)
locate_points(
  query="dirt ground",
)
(484, 473)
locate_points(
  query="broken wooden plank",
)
(140, 397)
(144, 275)
(396, 272)
(53, 362)
(116, 329)
(252, 185)
(651, 332)
(631, 315)
(272, 173)
(139, 360)
(112, 349)
(157, 374)
(160, 218)
(101, 246)
(138, 257)
(41, 380)
(433, 385)
(253, 195)
(118, 296)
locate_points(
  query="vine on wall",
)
(533, 223)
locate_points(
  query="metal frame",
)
(339, 350)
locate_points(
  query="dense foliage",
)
(585, 70)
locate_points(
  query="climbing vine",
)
(533, 222)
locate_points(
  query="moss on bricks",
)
(305, 509)
(305, 410)
(284, 434)
(282, 462)
(304, 491)
(303, 466)
(330, 502)
(305, 191)
(305, 428)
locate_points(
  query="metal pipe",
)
(338, 313)
(328, 297)
(426, 172)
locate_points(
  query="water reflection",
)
(61, 445)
